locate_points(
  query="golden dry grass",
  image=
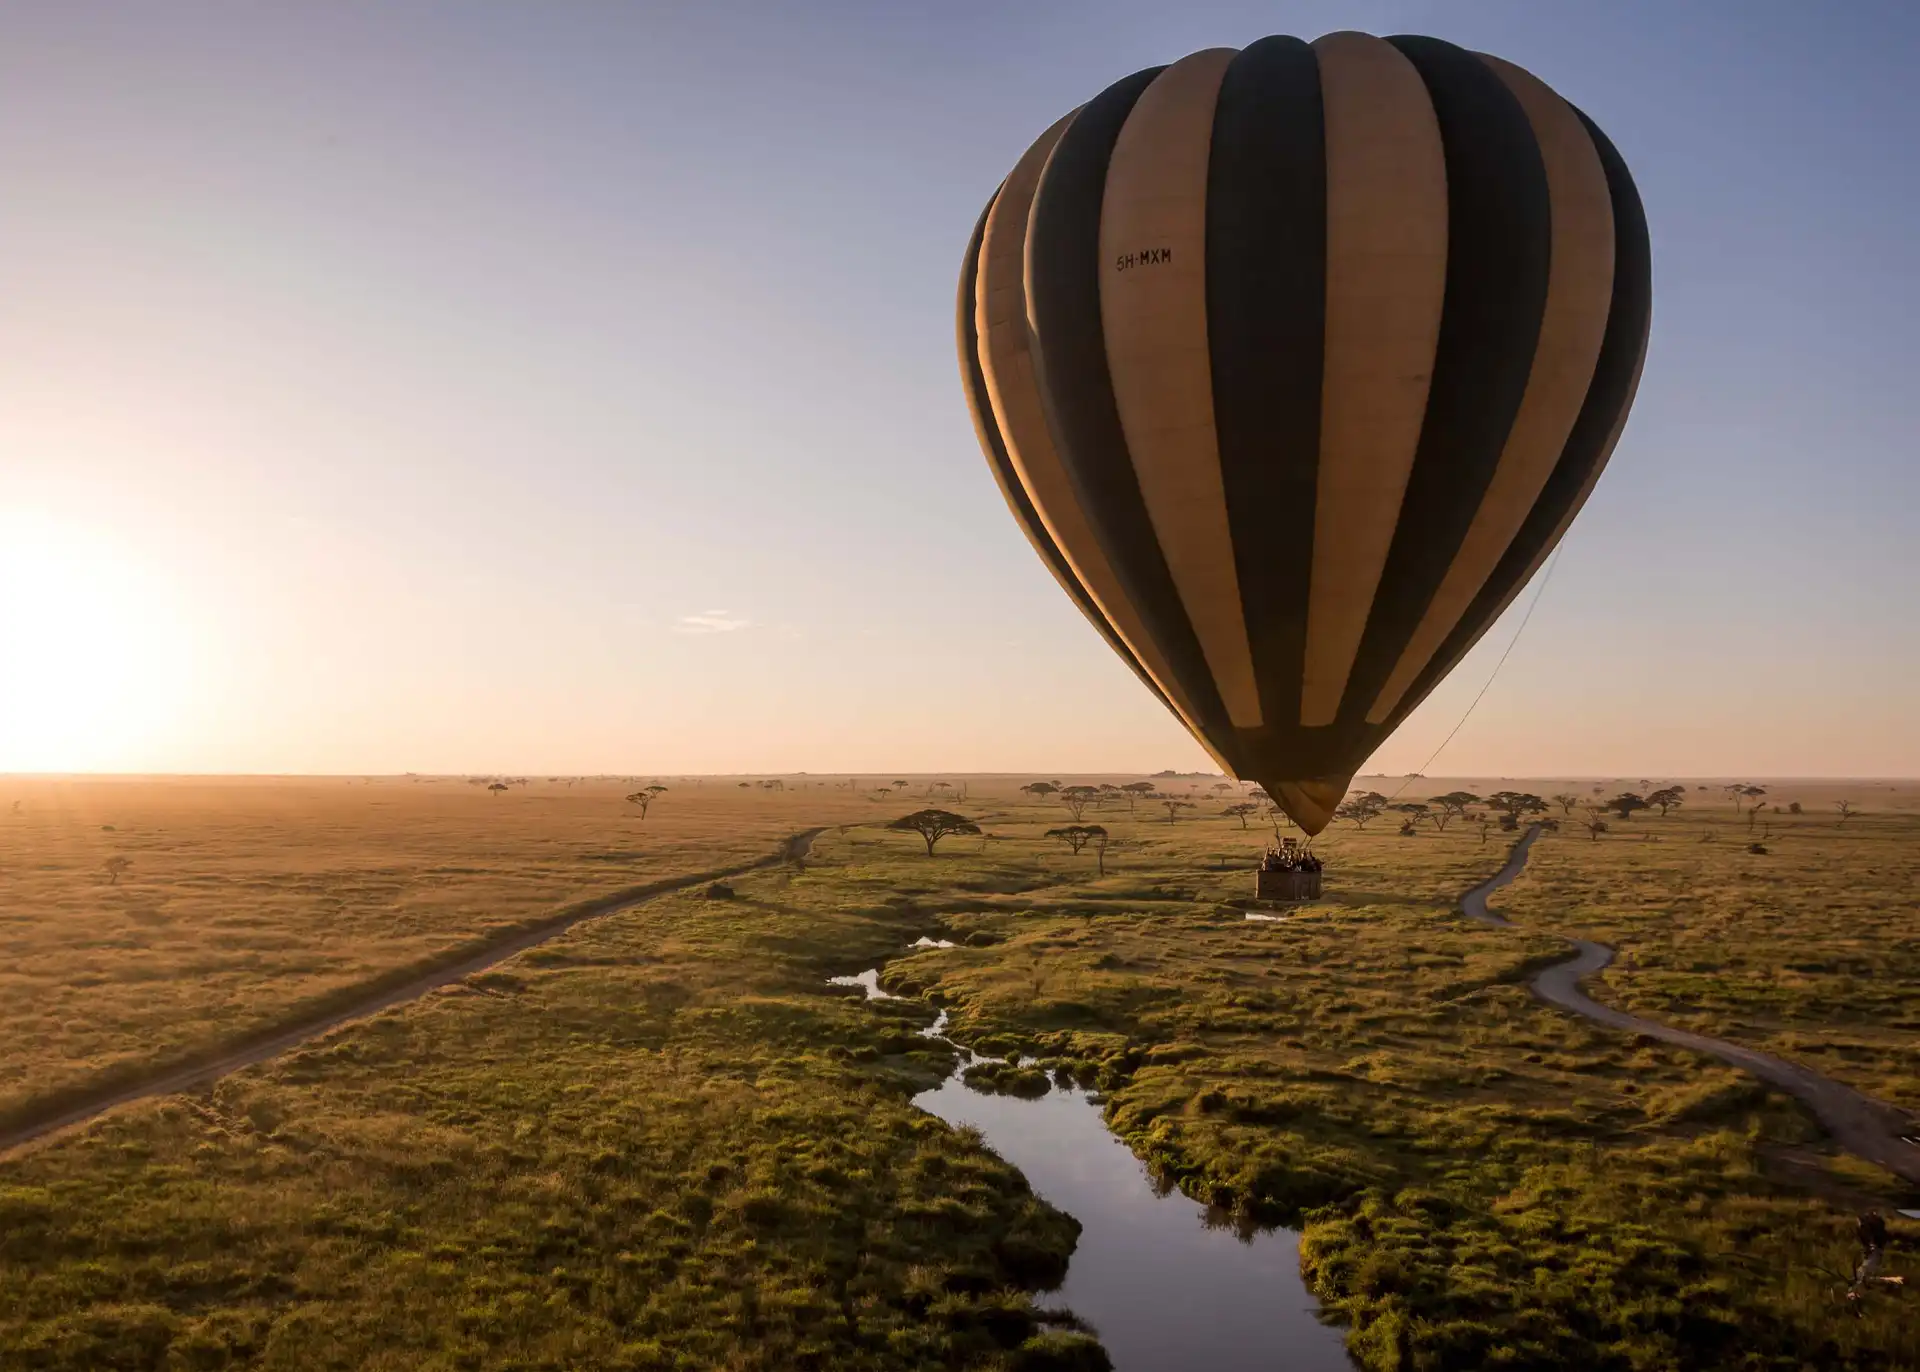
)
(245, 898)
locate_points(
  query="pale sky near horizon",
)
(570, 388)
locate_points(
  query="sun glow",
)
(94, 658)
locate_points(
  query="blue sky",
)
(546, 387)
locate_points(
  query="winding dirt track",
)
(167, 1081)
(1867, 1128)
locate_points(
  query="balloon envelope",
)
(1294, 363)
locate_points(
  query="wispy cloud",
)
(711, 622)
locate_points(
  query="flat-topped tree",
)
(1667, 798)
(1566, 800)
(1452, 806)
(1077, 798)
(646, 796)
(1241, 811)
(1517, 803)
(934, 825)
(1039, 790)
(1134, 790)
(1626, 803)
(1363, 807)
(1078, 836)
(1414, 810)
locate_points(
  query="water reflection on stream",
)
(1167, 1286)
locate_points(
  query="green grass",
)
(658, 1143)
(661, 1142)
(1483, 1181)
(1811, 950)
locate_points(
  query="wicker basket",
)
(1286, 885)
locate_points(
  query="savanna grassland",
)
(660, 1141)
(245, 901)
(1482, 1180)
(1810, 951)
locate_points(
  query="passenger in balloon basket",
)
(1290, 855)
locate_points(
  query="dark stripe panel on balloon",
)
(994, 446)
(1266, 320)
(1594, 432)
(1499, 242)
(1063, 304)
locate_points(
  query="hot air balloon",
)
(1294, 363)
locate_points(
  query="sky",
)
(571, 388)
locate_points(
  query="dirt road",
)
(1867, 1128)
(272, 1042)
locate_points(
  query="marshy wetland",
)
(661, 1139)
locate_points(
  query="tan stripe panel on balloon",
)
(1386, 286)
(1579, 297)
(1153, 308)
(1560, 530)
(1006, 361)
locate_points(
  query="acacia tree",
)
(1134, 790)
(1453, 805)
(1752, 795)
(1077, 798)
(1078, 836)
(1415, 811)
(1667, 798)
(934, 825)
(1566, 800)
(1845, 810)
(497, 787)
(1039, 790)
(1362, 808)
(1517, 803)
(1626, 803)
(645, 797)
(1241, 812)
(115, 867)
(1174, 807)
(1596, 822)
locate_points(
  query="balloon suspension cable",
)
(1512, 643)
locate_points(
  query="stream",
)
(1166, 1284)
